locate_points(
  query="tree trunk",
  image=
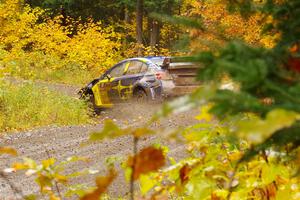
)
(154, 35)
(139, 25)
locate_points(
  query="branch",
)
(55, 182)
(135, 142)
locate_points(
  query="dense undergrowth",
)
(27, 106)
(35, 46)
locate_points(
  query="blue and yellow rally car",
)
(138, 78)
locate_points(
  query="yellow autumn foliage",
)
(32, 43)
(222, 25)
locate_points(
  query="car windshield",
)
(118, 70)
(157, 61)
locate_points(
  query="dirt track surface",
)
(63, 142)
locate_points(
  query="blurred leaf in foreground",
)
(256, 130)
(110, 130)
(148, 160)
(102, 184)
(8, 150)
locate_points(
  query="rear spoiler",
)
(170, 63)
(183, 73)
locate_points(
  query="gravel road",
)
(63, 142)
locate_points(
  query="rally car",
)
(138, 78)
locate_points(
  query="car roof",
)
(149, 59)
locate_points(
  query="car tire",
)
(140, 95)
(91, 105)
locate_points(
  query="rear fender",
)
(139, 87)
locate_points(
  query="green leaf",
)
(199, 188)
(270, 173)
(147, 182)
(110, 130)
(256, 130)
(30, 163)
(280, 138)
(188, 22)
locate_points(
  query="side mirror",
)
(108, 76)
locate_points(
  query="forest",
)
(218, 143)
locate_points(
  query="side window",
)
(144, 68)
(118, 70)
(151, 69)
(134, 67)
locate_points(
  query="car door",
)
(106, 91)
(116, 75)
(134, 72)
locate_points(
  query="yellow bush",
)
(222, 25)
(29, 44)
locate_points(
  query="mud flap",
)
(152, 91)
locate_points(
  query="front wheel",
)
(90, 99)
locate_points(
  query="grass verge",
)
(71, 76)
(27, 106)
